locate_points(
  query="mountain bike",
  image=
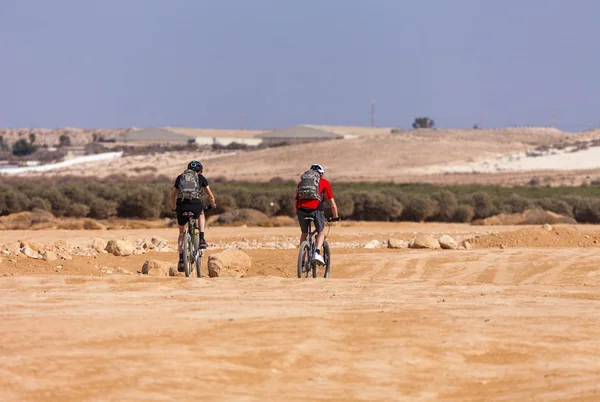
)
(306, 253)
(192, 253)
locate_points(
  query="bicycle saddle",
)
(188, 213)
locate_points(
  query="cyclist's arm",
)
(173, 198)
(334, 209)
(211, 197)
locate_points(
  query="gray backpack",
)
(189, 185)
(308, 189)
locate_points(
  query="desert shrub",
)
(78, 210)
(39, 203)
(462, 213)
(556, 206)
(419, 208)
(446, 205)
(345, 204)
(286, 204)
(376, 207)
(243, 199)
(77, 192)
(483, 205)
(276, 180)
(60, 203)
(265, 204)
(515, 204)
(12, 201)
(110, 191)
(101, 208)
(140, 202)
(587, 211)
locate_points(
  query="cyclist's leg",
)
(180, 240)
(181, 221)
(303, 225)
(201, 219)
(320, 227)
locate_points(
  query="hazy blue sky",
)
(114, 63)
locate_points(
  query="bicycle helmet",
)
(195, 165)
(318, 168)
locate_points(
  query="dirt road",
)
(486, 324)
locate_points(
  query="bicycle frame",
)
(308, 250)
(191, 243)
(312, 235)
(192, 230)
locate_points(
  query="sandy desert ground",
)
(514, 318)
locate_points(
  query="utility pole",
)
(242, 121)
(554, 116)
(372, 113)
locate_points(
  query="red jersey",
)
(326, 194)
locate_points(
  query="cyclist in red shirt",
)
(314, 208)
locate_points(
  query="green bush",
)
(60, 203)
(286, 204)
(516, 204)
(419, 209)
(483, 206)
(556, 206)
(587, 211)
(345, 204)
(12, 201)
(39, 203)
(103, 209)
(446, 206)
(376, 207)
(462, 213)
(78, 210)
(140, 202)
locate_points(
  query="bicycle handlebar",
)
(334, 219)
(208, 208)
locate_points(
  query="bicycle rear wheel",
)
(188, 261)
(304, 260)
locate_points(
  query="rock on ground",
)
(119, 247)
(397, 243)
(29, 252)
(174, 272)
(49, 256)
(448, 242)
(99, 244)
(372, 244)
(466, 245)
(156, 268)
(229, 263)
(425, 241)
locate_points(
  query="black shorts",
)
(319, 219)
(194, 206)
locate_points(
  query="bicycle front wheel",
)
(327, 258)
(188, 260)
(304, 260)
(198, 256)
